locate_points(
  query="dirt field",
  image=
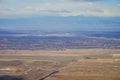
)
(71, 64)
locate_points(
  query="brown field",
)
(71, 64)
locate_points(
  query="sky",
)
(60, 15)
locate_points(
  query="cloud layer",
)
(58, 8)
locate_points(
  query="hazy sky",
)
(60, 15)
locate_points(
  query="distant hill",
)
(4, 31)
(106, 34)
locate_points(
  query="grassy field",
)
(71, 64)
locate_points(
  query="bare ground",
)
(72, 64)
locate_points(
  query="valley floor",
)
(70, 64)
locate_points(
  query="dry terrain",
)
(70, 64)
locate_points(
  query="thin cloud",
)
(56, 11)
(1, 1)
(61, 9)
(83, 0)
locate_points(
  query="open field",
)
(70, 64)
